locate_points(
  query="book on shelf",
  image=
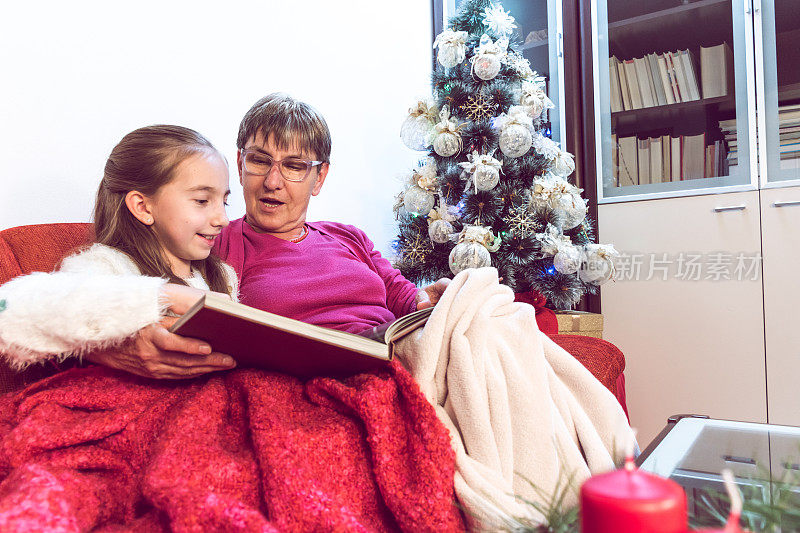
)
(627, 156)
(665, 79)
(656, 160)
(623, 86)
(693, 156)
(643, 156)
(645, 81)
(256, 338)
(670, 61)
(634, 85)
(690, 70)
(716, 70)
(616, 93)
(675, 163)
(680, 76)
(666, 158)
(655, 73)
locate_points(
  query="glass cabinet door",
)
(539, 29)
(675, 98)
(780, 97)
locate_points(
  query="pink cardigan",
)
(333, 278)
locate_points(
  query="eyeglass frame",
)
(311, 164)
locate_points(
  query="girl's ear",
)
(139, 207)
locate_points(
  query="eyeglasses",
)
(291, 168)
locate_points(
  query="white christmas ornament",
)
(574, 208)
(598, 263)
(552, 240)
(418, 201)
(534, 98)
(520, 65)
(448, 138)
(568, 259)
(424, 176)
(546, 146)
(498, 20)
(515, 131)
(563, 165)
(440, 231)
(557, 193)
(488, 57)
(472, 250)
(417, 129)
(452, 47)
(482, 170)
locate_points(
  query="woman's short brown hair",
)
(288, 121)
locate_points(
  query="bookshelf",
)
(672, 69)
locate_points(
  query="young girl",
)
(160, 205)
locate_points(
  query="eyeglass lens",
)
(261, 164)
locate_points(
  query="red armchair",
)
(40, 247)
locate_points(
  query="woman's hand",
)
(428, 296)
(156, 353)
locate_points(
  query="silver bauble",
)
(466, 255)
(418, 201)
(486, 66)
(446, 144)
(515, 140)
(415, 132)
(596, 269)
(567, 260)
(440, 230)
(486, 177)
(574, 209)
(449, 56)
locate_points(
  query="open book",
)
(257, 338)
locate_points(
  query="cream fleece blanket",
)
(518, 406)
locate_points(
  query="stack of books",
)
(662, 159)
(789, 137)
(670, 78)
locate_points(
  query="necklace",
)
(303, 235)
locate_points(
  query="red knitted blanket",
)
(247, 450)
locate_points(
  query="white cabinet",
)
(689, 320)
(780, 222)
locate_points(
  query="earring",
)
(148, 221)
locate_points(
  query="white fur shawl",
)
(97, 299)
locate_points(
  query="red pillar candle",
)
(629, 500)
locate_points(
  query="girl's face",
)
(189, 212)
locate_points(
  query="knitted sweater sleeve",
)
(400, 293)
(97, 299)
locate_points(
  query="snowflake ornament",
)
(417, 249)
(498, 20)
(521, 222)
(479, 108)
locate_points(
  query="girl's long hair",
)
(145, 160)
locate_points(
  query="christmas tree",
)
(494, 187)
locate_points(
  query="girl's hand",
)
(428, 296)
(180, 298)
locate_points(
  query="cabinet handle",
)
(730, 208)
(785, 204)
(735, 459)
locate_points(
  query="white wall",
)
(76, 76)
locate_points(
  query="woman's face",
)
(273, 204)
